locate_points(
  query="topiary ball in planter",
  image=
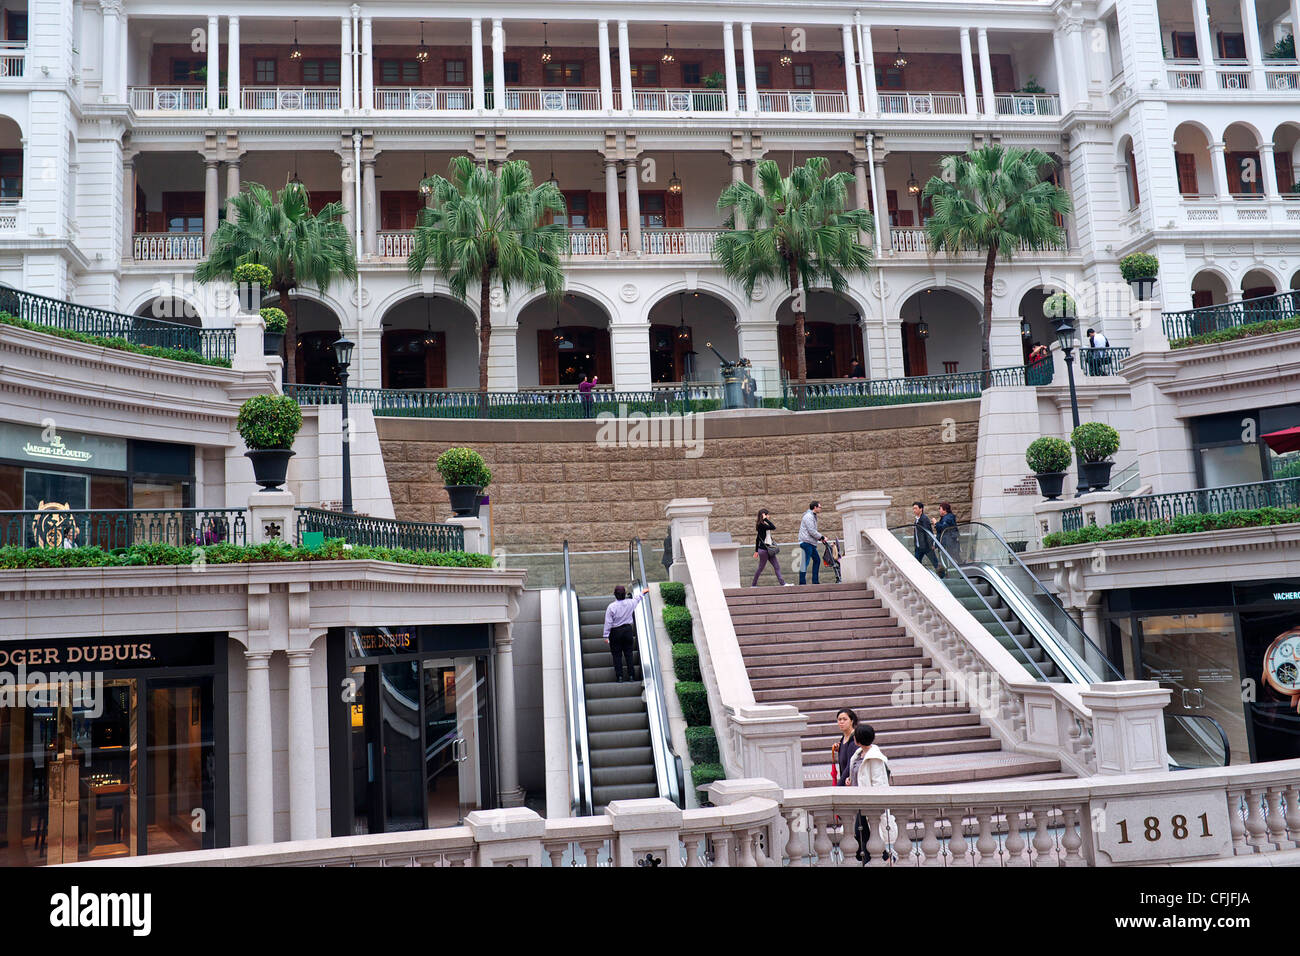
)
(268, 425)
(1139, 271)
(252, 281)
(464, 475)
(1095, 442)
(1049, 458)
(273, 335)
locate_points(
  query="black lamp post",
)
(1065, 336)
(343, 356)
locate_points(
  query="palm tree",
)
(283, 235)
(798, 232)
(485, 225)
(995, 200)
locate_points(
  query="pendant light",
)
(1026, 330)
(294, 180)
(900, 61)
(428, 321)
(786, 59)
(559, 333)
(922, 326)
(913, 187)
(422, 54)
(553, 181)
(668, 50)
(675, 184)
(294, 52)
(683, 333)
(425, 186)
(546, 46)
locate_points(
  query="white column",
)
(606, 69)
(1064, 81)
(369, 212)
(1204, 44)
(257, 735)
(476, 60)
(498, 65)
(860, 184)
(348, 182)
(232, 185)
(629, 346)
(625, 67)
(870, 103)
(367, 64)
(1268, 169)
(729, 66)
(850, 69)
(302, 748)
(612, 226)
(123, 56)
(111, 11)
(986, 74)
(128, 206)
(882, 205)
(1295, 19)
(211, 201)
(751, 76)
(214, 62)
(232, 67)
(1082, 93)
(1220, 167)
(1250, 26)
(738, 176)
(968, 73)
(508, 751)
(631, 170)
(347, 96)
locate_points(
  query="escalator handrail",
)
(1051, 596)
(668, 764)
(574, 688)
(974, 590)
(1223, 737)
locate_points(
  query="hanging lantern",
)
(1025, 329)
(668, 50)
(553, 181)
(674, 183)
(922, 328)
(422, 54)
(900, 61)
(913, 186)
(786, 59)
(683, 332)
(546, 46)
(294, 52)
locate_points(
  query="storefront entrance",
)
(418, 730)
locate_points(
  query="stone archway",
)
(429, 341)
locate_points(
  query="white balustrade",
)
(922, 103)
(12, 217)
(13, 59)
(166, 246)
(1186, 79)
(423, 100)
(1234, 79)
(1282, 78)
(1028, 104)
(395, 244)
(678, 242)
(555, 100)
(676, 101)
(588, 242)
(914, 240)
(168, 99)
(292, 99)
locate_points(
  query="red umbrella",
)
(1288, 439)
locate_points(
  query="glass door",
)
(455, 714)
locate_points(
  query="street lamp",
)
(343, 357)
(1065, 336)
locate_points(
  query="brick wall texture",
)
(552, 481)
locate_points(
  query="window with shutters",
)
(1232, 46)
(453, 71)
(1187, 182)
(803, 76)
(399, 210)
(1184, 45)
(889, 78)
(653, 210)
(763, 75)
(182, 69)
(264, 71)
(320, 198)
(1134, 195)
(576, 218)
(320, 72)
(399, 72)
(692, 74)
(15, 26)
(512, 72)
(11, 174)
(645, 74)
(564, 74)
(183, 211)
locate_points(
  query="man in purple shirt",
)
(584, 392)
(620, 631)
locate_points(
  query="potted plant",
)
(273, 335)
(250, 279)
(1048, 459)
(1139, 271)
(1095, 442)
(1031, 86)
(1058, 304)
(464, 475)
(268, 424)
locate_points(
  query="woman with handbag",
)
(765, 549)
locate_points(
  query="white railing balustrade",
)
(423, 100)
(676, 101)
(13, 59)
(1185, 80)
(310, 98)
(551, 100)
(588, 242)
(922, 104)
(395, 244)
(166, 246)
(168, 99)
(12, 218)
(1234, 79)
(1282, 78)
(678, 242)
(1028, 104)
(915, 240)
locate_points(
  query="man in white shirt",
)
(1096, 341)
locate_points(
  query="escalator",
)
(987, 576)
(620, 742)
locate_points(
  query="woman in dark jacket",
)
(945, 530)
(843, 749)
(765, 548)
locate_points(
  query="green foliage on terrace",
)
(12, 557)
(1183, 524)
(1238, 332)
(121, 345)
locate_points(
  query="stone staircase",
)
(824, 647)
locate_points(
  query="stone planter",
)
(1143, 288)
(464, 499)
(1050, 483)
(270, 466)
(1095, 474)
(249, 295)
(272, 342)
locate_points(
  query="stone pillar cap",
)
(511, 823)
(686, 507)
(653, 813)
(1114, 694)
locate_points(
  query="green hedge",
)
(673, 592)
(1183, 524)
(121, 345)
(702, 744)
(686, 662)
(677, 620)
(12, 557)
(703, 774)
(1238, 332)
(695, 702)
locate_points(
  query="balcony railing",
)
(678, 242)
(1282, 493)
(180, 527)
(855, 393)
(423, 100)
(922, 103)
(1186, 78)
(1212, 318)
(1096, 362)
(676, 101)
(1282, 77)
(13, 59)
(914, 240)
(540, 403)
(380, 532)
(12, 216)
(291, 99)
(1234, 79)
(138, 330)
(394, 245)
(549, 99)
(166, 246)
(1028, 104)
(799, 101)
(168, 99)
(591, 242)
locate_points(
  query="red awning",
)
(1288, 439)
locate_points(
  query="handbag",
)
(772, 549)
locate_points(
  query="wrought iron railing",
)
(849, 393)
(1212, 318)
(136, 329)
(1102, 361)
(1283, 493)
(381, 532)
(65, 528)
(542, 403)
(1071, 519)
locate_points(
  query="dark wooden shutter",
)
(385, 344)
(1133, 177)
(674, 218)
(680, 348)
(843, 349)
(435, 360)
(1201, 298)
(1285, 175)
(914, 360)
(604, 361)
(548, 359)
(596, 211)
(785, 345)
(1187, 184)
